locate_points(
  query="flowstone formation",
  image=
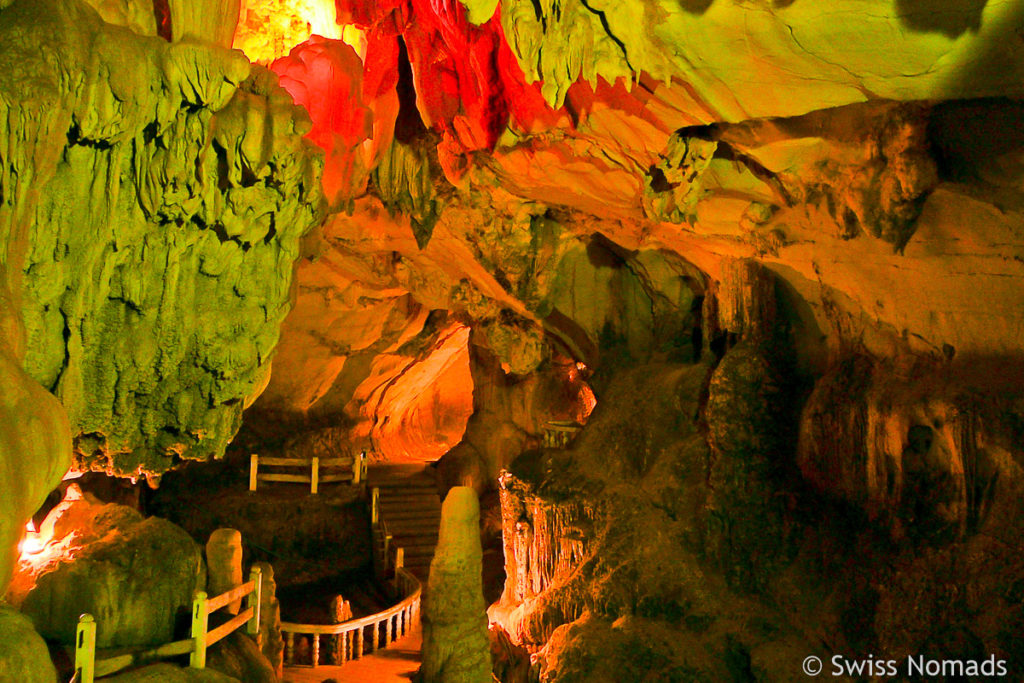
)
(455, 648)
(777, 244)
(171, 185)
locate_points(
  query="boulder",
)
(168, 673)
(135, 576)
(23, 654)
(239, 656)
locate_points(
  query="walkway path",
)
(397, 664)
(410, 506)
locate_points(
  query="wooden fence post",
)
(256, 576)
(375, 506)
(316, 649)
(357, 468)
(314, 478)
(85, 648)
(200, 618)
(253, 468)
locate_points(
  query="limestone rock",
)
(224, 565)
(168, 673)
(152, 176)
(23, 654)
(34, 446)
(271, 640)
(239, 657)
(455, 644)
(135, 576)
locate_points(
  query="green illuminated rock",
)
(172, 185)
(759, 58)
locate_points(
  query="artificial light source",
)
(32, 542)
(268, 29)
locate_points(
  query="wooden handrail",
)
(229, 627)
(402, 614)
(87, 668)
(214, 604)
(357, 473)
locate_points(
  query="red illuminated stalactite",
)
(162, 12)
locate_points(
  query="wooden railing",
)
(558, 433)
(88, 668)
(351, 639)
(356, 470)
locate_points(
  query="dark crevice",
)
(223, 181)
(162, 13)
(408, 125)
(75, 138)
(248, 177)
(221, 232)
(272, 232)
(150, 132)
(608, 30)
(539, 14)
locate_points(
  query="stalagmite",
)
(224, 564)
(455, 645)
(270, 640)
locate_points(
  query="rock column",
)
(224, 564)
(271, 642)
(455, 644)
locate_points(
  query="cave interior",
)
(547, 341)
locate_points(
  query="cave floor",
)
(397, 663)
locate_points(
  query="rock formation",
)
(171, 185)
(271, 642)
(778, 245)
(135, 576)
(23, 654)
(224, 565)
(455, 645)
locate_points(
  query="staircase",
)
(411, 509)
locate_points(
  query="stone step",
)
(412, 501)
(391, 484)
(425, 511)
(412, 520)
(418, 504)
(411, 529)
(415, 537)
(410, 543)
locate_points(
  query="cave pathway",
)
(410, 506)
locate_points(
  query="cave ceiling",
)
(547, 174)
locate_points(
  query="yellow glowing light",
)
(32, 542)
(268, 29)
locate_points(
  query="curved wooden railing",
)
(348, 640)
(559, 433)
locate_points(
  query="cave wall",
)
(171, 186)
(802, 221)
